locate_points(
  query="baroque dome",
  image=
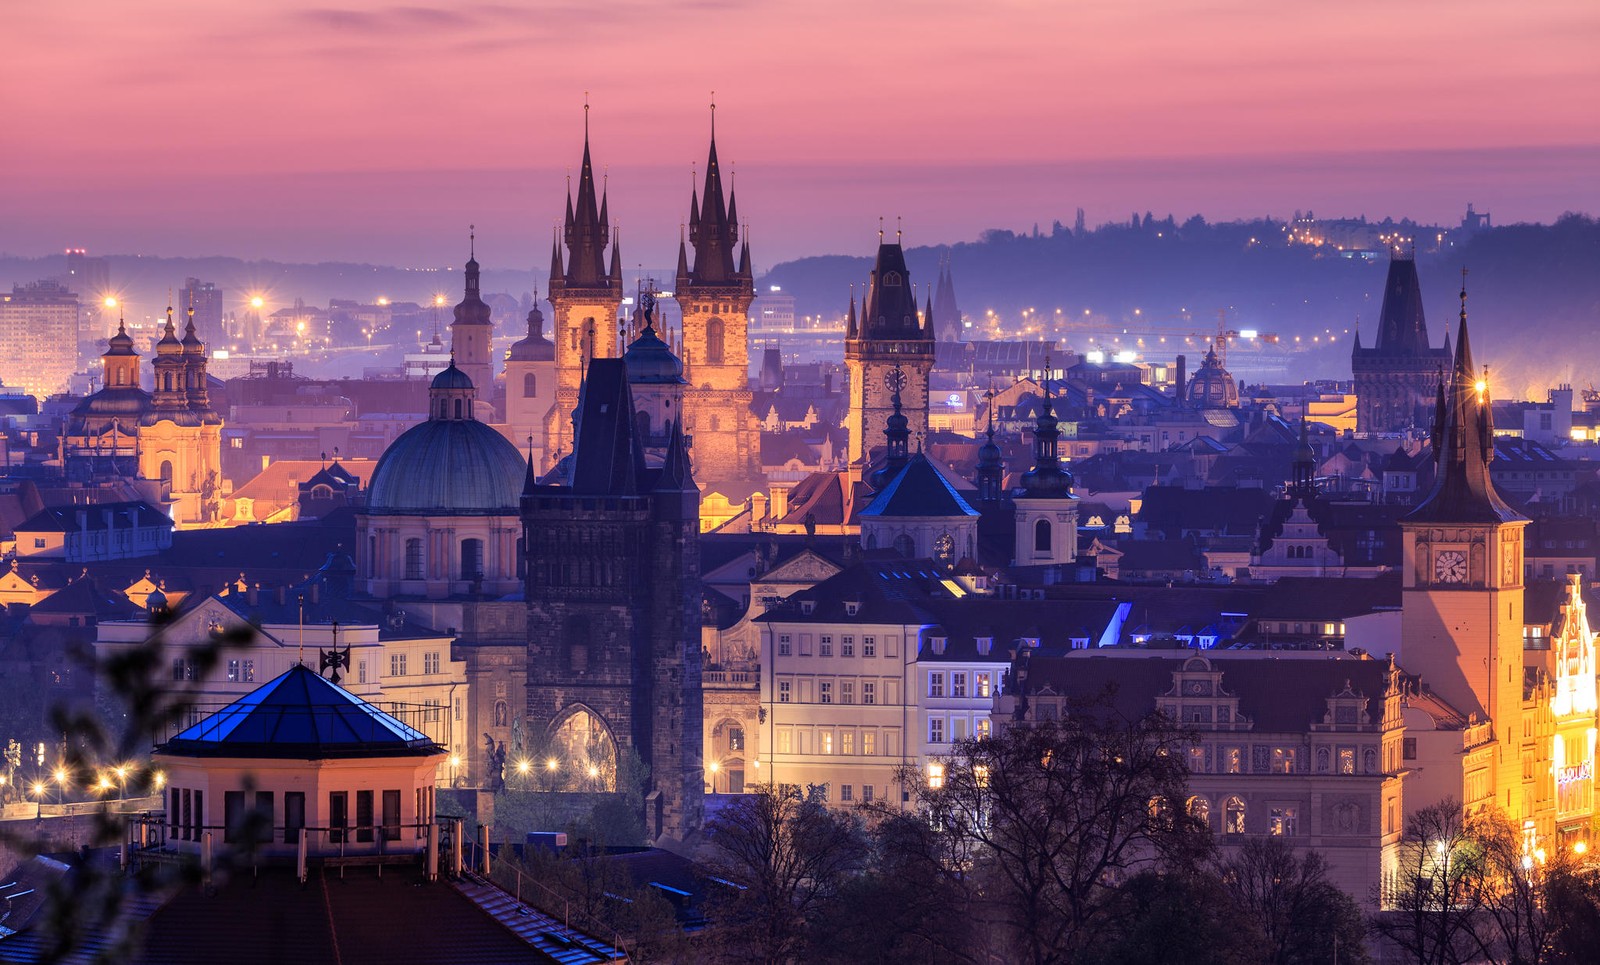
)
(448, 467)
(649, 359)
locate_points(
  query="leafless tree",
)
(1054, 818)
(780, 858)
(1438, 891)
(1304, 918)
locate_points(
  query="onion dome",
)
(534, 348)
(649, 359)
(1212, 386)
(120, 343)
(191, 341)
(1047, 479)
(169, 344)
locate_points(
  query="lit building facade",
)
(39, 325)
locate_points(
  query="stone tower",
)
(613, 593)
(714, 293)
(1395, 379)
(1461, 605)
(472, 333)
(889, 349)
(531, 384)
(585, 297)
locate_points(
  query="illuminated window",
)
(1233, 816)
(1282, 821)
(935, 775)
(869, 742)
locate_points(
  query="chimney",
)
(282, 595)
(252, 594)
(315, 596)
(1183, 376)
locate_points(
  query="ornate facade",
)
(171, 437)
(1396, 377)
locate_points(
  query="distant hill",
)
(1534, 289)
(1541, 281)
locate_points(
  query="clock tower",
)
(888, 351)
(1461, 618)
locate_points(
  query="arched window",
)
(458, 408)
(1200, 809)
(905, 546)
(944, 549)
(714, 341)
(735, 738)
(166, 472)
(414, 559)
(891, 280)
(1041, 536)
(530, 386)
(1233, 816)
(472, 559)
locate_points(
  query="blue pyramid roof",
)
(298, 714)
(919, 490)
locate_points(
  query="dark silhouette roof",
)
(889, 310)
(919, 490)
(447, 467)
(94, 517)
(607, 457)
(299, 714)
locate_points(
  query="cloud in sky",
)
(197, 111)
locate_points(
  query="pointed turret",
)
(557, 272)
(1463, 491)
(991, 464)
(683, 261)
(676, 475)
(890, 309)
(616, 262)
(744, 261)
(850, 318)
(927, 318)
(1047, 478)
(713, 225)
(1304, 465)
(1402, 328)
(587, 229)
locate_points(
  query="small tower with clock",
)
(888, 350)
(1461, 618)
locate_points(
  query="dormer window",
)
(852, 607)
(891, 279)
(938, 644)
(807, 607)
(985, 644)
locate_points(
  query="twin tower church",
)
(597, 529)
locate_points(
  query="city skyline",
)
(951, 124)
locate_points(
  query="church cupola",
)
(120, 361)
(1304, 466)
(897, 433)
(196, 390)
(169, 365)
(1047, 479)
(472, 331)
(451, 396)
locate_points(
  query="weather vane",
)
(335, 659)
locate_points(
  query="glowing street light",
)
(524, 766)
(256, 301)
(438, 301)
(551, 764)
(110, 302)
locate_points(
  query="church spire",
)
(991, 468)
(1462, 490)
(713, 225)
(588, 226)
(1047, 478)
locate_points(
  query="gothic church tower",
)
(1462, 599)
(888, 350)
(714, 295)
(585, 297)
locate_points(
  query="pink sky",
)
(375, 132)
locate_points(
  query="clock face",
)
(895, 380)
(1450, 566)
(1195, 688)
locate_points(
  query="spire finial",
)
(897, 229)
(1463, 293)
(713, 115)
(585, 117)
(472, 242)
(880, 229)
